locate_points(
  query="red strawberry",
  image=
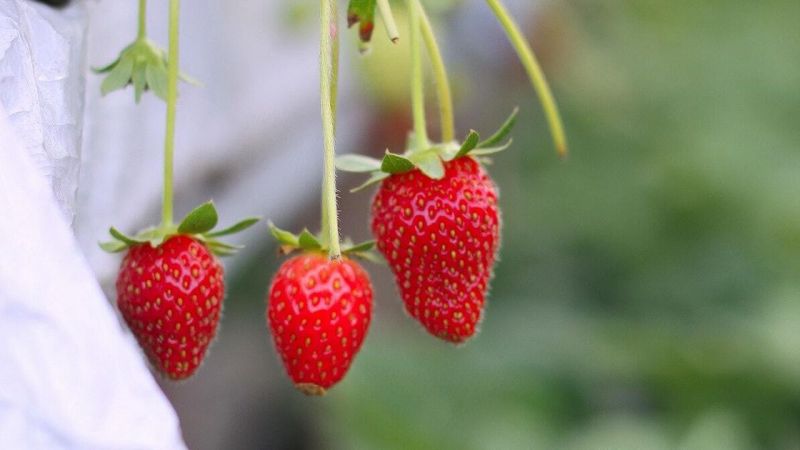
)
(171, 297)
(440, 238)
(319, 312)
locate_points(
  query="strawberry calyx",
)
(307, 241)
(141, 64)
(199, 224)
(429, 160)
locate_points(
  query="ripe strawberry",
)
(171, 297)
(440, 238)
(319, 312)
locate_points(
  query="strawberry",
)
(171, 298)
(170, 288)
(319, 311)
(440, 238)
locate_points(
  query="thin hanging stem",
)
(440, 72)
(535, 73)
(142, 30)
(388, 20)
(417, 80)
(172, 97)
(330, 226)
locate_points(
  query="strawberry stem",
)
(440, 72)
(142, 30)
(172, 97)
(417, 87)
(388, 20)
(540, 85)
(328, 85)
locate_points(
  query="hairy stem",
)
(535, 73)
(328, 35)
(417, 77)
(444, 94)
(388, 20)
(142, 30)
(172, 97)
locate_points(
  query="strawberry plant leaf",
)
(235, 228)
(469, 144)
(200, 220)
(357, 163)
(501, 133)
(363, 13)
(284, 237)
(431, 165)
(395, 164)
(375, 178)
(308, 241)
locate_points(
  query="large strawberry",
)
(318, 310)
(437, 222)
(170, 289)
(440, 238)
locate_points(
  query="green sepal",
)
(141, 64)
(359, 248)
(113, 246)
(483, 151)
(200, 220)
(469, 144)
(395, 164)
(430, 163)
(357, 163)
(376, 177)
(118, 235)
(285, 238)
(502, 132)
(363, 13)
(235, 228)
(307, 241)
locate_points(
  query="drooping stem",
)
(172, 97)
(328, 32)
(440, 72)
(417, 77)
(142, 30)
(535, 73)
(388, 20)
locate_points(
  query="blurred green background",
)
(647, 295)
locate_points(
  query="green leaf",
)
(357, 163)
(118, 235)
(283, 237)
(235, 228)
(359, 248)
(395, 164)
(375, 178)
(308, 241)
(119, 77)
(363, 13)
(431, 165)
(199, 220)
(503, 132)
(483, 151)
(469, 144)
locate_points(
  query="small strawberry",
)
(170, 288)
(319, 313)
(318, 310)
(436, 220)
(440, 238)
(171, 298)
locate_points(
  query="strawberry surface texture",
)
(171, 298)
(440, 238)
(319, 311)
